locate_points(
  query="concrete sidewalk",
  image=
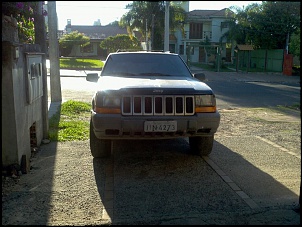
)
(76, 73)
(248, 76)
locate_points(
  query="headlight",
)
(205, 100)
(107, 104)
(205, 103)
(111, 101)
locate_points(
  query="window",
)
(195, 31)
(181, 49)
(224, 25)
(172, 48)
(190, 50)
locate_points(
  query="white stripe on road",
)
(279, 147)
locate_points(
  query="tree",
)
(69, 40)
(208, 48)
(141, 14)
(114, 43)
(294, 45)
(266, 25)
(114, 23)
(276, 21)
(23, 12)
(240, 24)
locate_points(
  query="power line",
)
(94, 7)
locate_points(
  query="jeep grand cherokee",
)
(151, 95)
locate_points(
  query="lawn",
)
(80, 63)
(71, 122)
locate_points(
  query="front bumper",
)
(116, 126)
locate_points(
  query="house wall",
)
(211, 29)
(216, 30)
(195, 56)
(18, 115)
(76, 51)
(207, 30)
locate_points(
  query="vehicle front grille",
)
(158, 105)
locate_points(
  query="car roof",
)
(143, 52)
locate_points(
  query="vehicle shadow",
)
(158, 182)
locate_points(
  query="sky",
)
(87, 12)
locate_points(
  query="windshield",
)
(145, 64)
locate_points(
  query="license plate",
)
(160, 126)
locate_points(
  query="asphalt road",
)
(255, 94)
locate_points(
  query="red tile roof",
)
(99, 32)
(209, 13)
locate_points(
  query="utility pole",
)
(55, 83)
(152, 32)
(166, 43)
(147, 46)
(40, 38)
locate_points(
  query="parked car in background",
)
(151, 95)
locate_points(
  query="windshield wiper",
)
(119, 74)
(154, 74)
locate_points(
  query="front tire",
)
(99, 148)
(201, 145)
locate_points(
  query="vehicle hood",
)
(168, 85)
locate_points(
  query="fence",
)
(267, 60)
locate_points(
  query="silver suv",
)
(151, 95)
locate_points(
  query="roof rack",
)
(127, 50)
(135, 50)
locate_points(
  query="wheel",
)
(201, 145)
(99, 148)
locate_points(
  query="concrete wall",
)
(18, 115)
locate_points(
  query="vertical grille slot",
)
(169, 105)
(126, 105)
(158, 105)
(137, 105)
(148, 105)
(190, 104)
(179, 105)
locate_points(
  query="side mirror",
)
(199, 76)
(92, 77)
